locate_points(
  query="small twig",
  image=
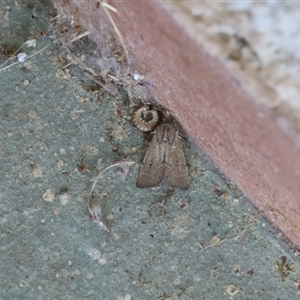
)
(78, 37)
(109, 6)
(105, 87)
(113, 77)
(105, 7)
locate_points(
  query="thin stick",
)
(109, 6)
(105, 7)
(105, 87)
(78, 37)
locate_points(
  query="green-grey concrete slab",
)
(58, 132)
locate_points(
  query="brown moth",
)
(164, 160)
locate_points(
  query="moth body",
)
(164, 160)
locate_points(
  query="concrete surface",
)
(242, 138)
(58, 131)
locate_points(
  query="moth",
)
(164, 160)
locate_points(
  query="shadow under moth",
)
(164, 161)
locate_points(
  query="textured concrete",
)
(244, 141)
(58, 131)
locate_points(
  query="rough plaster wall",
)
(258, 41)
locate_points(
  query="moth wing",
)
(152, 169)
(176, 173)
